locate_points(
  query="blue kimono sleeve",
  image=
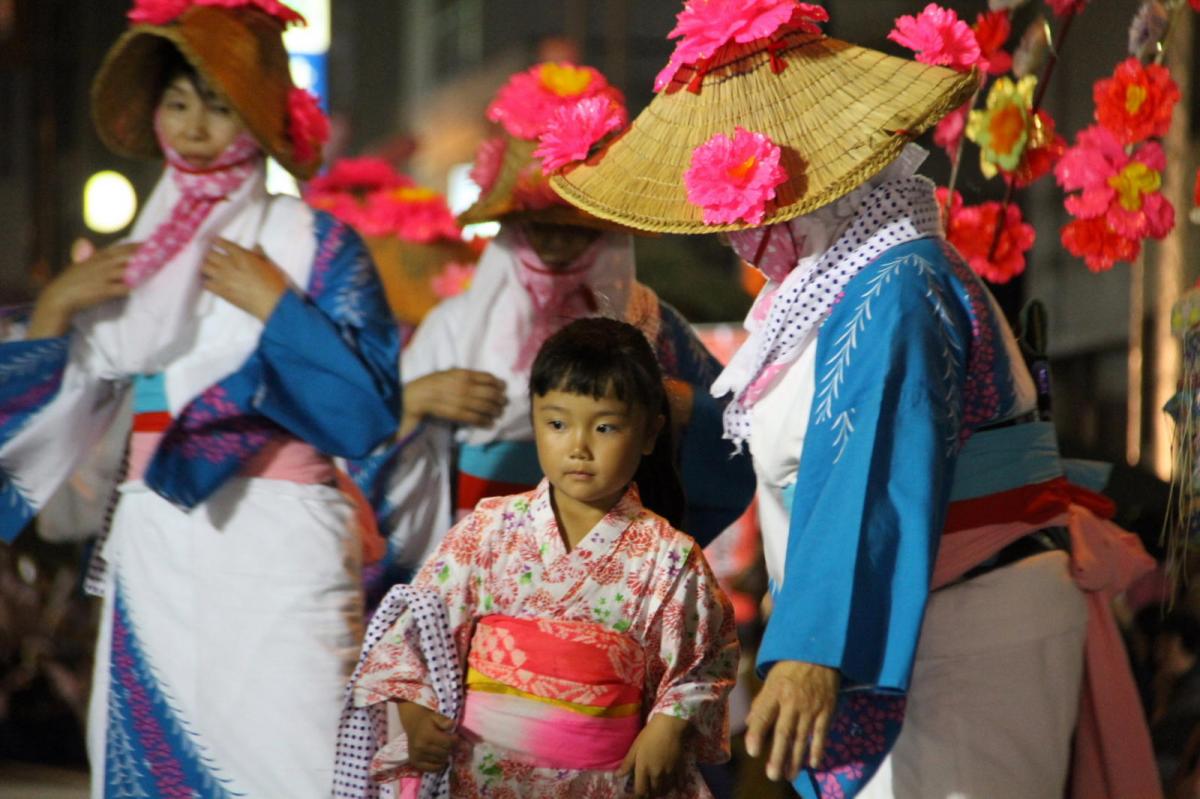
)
(874, 476)
(870, 499)
(31, 373)
(330, 372)
(719, 484)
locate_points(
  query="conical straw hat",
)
(407, 270)
(839, 113)
(239, 52)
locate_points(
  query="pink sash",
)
(557, 694)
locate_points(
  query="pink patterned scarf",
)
(201, 191)
(559, 296)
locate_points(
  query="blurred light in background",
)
(461, 191)
(308, 48)
(280, 181)
(109, 202)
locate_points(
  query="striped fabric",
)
(519, 691)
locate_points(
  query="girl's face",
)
(559, 245)
(195, 121)
(590, 448)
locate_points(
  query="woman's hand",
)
(80, 286)
(430, 739)
(797, 701)
(461, 396)
(654, 757)
(245, 278)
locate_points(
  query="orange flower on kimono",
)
(1136, 103)
(1002, 128)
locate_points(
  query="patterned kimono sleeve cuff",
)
(395, 690)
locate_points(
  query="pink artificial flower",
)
(364, 174)
(939, 37)
(972, 228)
(278, 10)
(1195, 4)
(992, 29)
(488, 160)
(454, 279)
(308, 127)
(156, 12)
(573, 130)
(1064, 7)
(949, 131)
(410, 213)
(705, 26)
(1125, 189)
(162, 12)
(734, 179)
(528, 101)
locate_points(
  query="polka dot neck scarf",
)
(889, 214)
(200, 192)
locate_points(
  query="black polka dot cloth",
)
(363, 730)
(895, 212)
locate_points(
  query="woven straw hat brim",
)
(499, 203)
(238, 52)
(840, 113)
(407, 271)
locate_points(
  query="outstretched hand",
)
(653, 760)
(793, 710)
(245, 278)
(80, 286)
(461, 396)
(430, 736)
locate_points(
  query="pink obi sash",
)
(557, 694)
(285, 459)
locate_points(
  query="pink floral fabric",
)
(633, 574)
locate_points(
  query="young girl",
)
(597, 648)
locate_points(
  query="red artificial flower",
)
(939, 37)
(972, 228)
(1064, 7)
(1195, 4)
(992, 29)
(273, 8)
(1046, 146)
(308, 127)
(1196, 191)
(1136, 103)
(1097, 244)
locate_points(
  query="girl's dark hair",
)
(173, 65)
(595, 356)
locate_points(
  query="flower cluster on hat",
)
(527, 103)
(1136, 103)
(1123, 189)
(705, 26)
(972, 228)
(162, 12)
(308, 127)
(573, 130)
(939, 37)
(411, 213)
(733, 179)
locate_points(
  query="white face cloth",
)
(159, 320)
(833, 244)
